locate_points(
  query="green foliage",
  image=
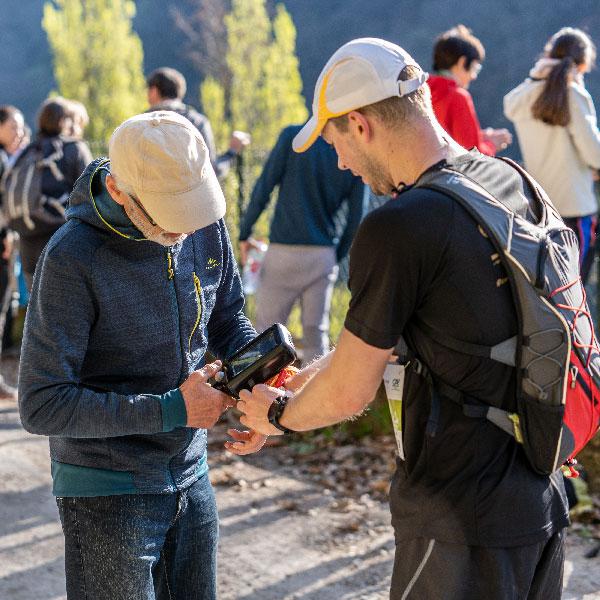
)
(264, 79)
(97, 59)
(212, 96)
(260, 93)
(284, 101)
(248, 40)
(339, 308)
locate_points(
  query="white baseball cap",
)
(361, 72)
(164, 160)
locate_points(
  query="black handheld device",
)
(257, 361)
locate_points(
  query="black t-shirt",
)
(422, 258)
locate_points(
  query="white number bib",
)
(393, 378)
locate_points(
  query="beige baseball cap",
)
(361, 72)
(164, 160)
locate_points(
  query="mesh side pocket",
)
(541, 426)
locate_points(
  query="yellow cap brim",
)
(307, 136)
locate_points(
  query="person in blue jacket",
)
(305, 242)
(129, 295)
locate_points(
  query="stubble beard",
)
(376, 174)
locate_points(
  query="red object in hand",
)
(280, 379)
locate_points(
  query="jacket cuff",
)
(174, 413)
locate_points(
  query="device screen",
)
(263, 345)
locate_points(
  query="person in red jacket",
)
(457, 58)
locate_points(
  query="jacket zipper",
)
(170, 277)
(198, 289)
(170, 271)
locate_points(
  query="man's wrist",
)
(276, 413)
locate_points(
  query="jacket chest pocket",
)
(202, 299)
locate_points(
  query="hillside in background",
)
(513, 32)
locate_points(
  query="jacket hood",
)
(518, 102)
(90, 202)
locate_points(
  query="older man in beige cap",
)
(127, 298)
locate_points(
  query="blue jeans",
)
(142, 547)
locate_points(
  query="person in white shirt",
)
(556, 125)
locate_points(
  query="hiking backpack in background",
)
(25, 207)
(555, 353)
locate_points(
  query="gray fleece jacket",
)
(115, 324)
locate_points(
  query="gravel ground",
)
(285, 533)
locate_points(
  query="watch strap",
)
(275, 413)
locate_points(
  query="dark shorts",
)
(433, 570)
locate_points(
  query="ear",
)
(153, 95)
(115, 193)
(462, 62)
(361, 125)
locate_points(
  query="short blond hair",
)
(396, 111)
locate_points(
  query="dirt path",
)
(283, 535)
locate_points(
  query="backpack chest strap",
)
(504, 352)
(507, 421)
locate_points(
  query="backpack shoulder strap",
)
(476, 201)
(532, 184)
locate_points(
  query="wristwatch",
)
(276, 411)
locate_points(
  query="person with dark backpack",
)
(37, 186)
(467, 303)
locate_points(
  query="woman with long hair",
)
(556, 125)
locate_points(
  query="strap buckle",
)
(516, 422)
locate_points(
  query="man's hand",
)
(246, 442)
(8, 245)
(245, 246)
(203, 403)
(244, 249)
(239, 140)
(254, 407)
(501, 138)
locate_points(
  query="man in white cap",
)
(471, 517)
(128, 296)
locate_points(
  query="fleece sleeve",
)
(228, 328)
(271, 175)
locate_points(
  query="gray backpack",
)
(555, 353)
(25, 207)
